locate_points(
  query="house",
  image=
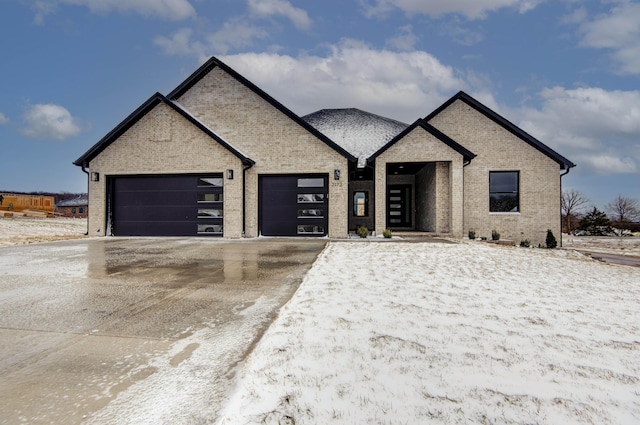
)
(77, 207)
(20, 201)
(220, 157)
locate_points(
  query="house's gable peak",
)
(138, 114)
(504, 123)
(420, 123)
(214, 62)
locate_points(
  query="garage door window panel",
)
(210, 182)
(310, 198)
(311, 182)
(209, 197)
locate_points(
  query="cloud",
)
(49, 121)
(618, 31)
(597, 128)
(268, 8)
(404, 86)
(405, 40)
(234, 34)
(461, 33)
(3, 119)
(180, 43)
(166, 9)
(471, 9)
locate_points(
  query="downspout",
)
(87, 173)
(464, 164)
(244, 197)
(562, 175)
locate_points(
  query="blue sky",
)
(566, 71)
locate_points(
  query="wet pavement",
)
(135, 330)
(622, 260)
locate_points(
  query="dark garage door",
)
(171, 205)
(294, 205)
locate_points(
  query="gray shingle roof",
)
(358, 132)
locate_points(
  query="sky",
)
(566, 71)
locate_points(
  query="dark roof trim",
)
(136, 115)
(215, 62)
(466, 154)
(507, 125)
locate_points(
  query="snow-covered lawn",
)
(20, 230)
(608, 244)
(408, 333)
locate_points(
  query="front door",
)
(399, 205)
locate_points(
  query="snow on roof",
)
(358, 132)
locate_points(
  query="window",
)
(209, 213)
(310, 229)
(81, 210)
(210, 182)
(73, 210)
(361, 204)
(209, 197)
(310, 198)
(504, 191)
(311, 182)
(315, 213)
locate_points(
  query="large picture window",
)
(504, 191)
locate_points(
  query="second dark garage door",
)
(294, 205)
(166, 205)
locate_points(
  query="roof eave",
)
(118, 130)
(506, 124)
(141, 111)
(466, 154)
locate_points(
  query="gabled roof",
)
(136, 115)
(507, 125)
(214, 62)
(466, 154)
(360, 133)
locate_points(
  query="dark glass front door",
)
(399, 205)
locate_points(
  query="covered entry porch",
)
(418, 196)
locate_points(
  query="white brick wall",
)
(269, 137)
(164, 142)
(499, 150)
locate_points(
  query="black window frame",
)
(494, 193)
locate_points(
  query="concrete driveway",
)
(135, 330)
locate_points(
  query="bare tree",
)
(572, 202)
(623, 211)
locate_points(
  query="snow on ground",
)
(20, 230)
(406, 333)
(625, 245)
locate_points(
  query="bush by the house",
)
(551, 240)
(495, 236)
(387, 233)
(525, 243)
(362, 231)
(472, 235)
